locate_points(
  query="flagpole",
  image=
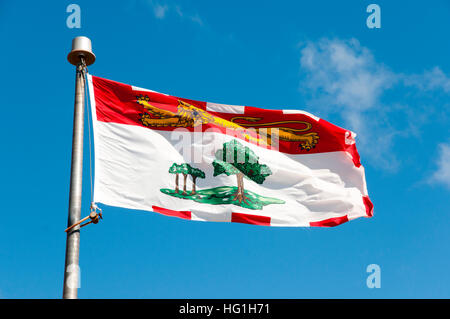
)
(81, 56)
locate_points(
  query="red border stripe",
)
(250, 219)
(330, 222)
(173, 213)
(369, 206)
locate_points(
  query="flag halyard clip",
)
(94, 216)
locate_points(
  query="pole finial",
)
(81, 48)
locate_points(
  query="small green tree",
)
(237, 159)
(196, 173)
(175, 169)
(185, 169)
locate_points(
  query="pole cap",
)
(81, 47)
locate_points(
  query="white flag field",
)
(225, 163)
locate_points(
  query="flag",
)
(226, 163)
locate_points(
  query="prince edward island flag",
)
(225, 163)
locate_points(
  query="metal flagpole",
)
(80, 56)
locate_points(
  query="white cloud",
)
(160, 10)
(342, 77)
(345, 73)
(429, 80)
(196, 19)
(179, 11)
(442, 174)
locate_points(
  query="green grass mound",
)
(225, 195)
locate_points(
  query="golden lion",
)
(188, 115)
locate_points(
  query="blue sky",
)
(390, 85)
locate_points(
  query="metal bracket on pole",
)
(81, 56)
(93, 216)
